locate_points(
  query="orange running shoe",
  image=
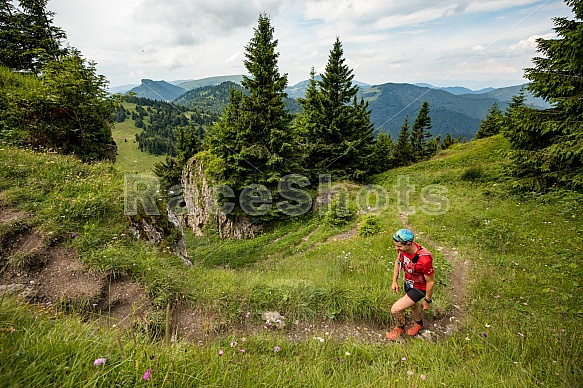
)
(414, 330)
(395, 333)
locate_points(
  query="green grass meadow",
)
(129, 157)
(521, 326)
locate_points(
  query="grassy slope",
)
(523, 324)
(129, 157)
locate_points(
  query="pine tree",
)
(491, 125)
(402, 150)
(382, 153)
(253, 143)
(448, 141)
(335, 127)
(28, 38)
(420, 133)
(548, 144)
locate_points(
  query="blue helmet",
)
(404, 236)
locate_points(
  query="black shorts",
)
(413, 293)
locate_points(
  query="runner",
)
(417, 265)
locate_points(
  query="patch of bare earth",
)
(124, 303)
(54, 276)
(344, 236)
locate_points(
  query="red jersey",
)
(415, 272)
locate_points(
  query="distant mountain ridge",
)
(454, 110)
(455, 89)
(458, 115)
(157, 90)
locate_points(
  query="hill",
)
(454, 89)
(215, 98)
(505, 95)
(65, 240)
(211, 98)
(453, 114)
(157, 90)
(210, 81)
(458, 115)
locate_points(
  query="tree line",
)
(52, 97)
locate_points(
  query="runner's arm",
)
(396, 269)
(429, 281)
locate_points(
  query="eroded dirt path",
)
(55, 276)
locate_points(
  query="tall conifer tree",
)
(28, 37)
(548, 144)
(252, 144)
(336, 128)
(420, 133)
(402, 150)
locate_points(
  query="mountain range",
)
(454, 110)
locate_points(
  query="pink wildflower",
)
(221, 352)
(99, 361)
(233, 344)
(410, 373)
(276, 349)
(422, 377)
(146, 375)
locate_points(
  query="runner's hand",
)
(426, 305)
(395, 287)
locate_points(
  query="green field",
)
(129, 157)
(507, 310)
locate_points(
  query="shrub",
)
(369, 226)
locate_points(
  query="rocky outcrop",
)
(200, 210)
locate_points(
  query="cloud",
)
(526, 46)
(188, 22)
(455, 9)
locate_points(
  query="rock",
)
(11, 288)
(427, 335)
(273, 319)
(201, 211)
(180, 246)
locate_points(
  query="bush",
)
(369, 226)
(66, 109)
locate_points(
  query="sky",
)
(475, 44)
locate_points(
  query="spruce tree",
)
(28, 38)
(252, 144)
(382, 153)
(448, 141)
(491, 125)
(335, 127)
(548, 144)
(420, 133)
(402, 150)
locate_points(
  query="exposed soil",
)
(56, 277)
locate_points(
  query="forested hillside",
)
(458, 115)
(162, 122)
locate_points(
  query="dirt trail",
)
(53, 276)
(449, 321)
(199, 328)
